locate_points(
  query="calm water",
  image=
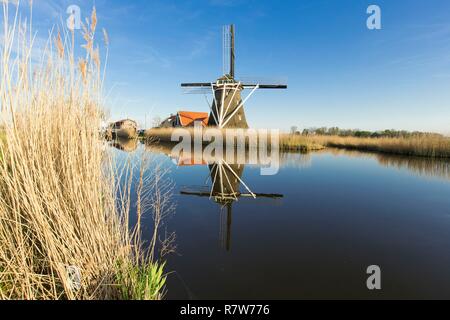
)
(340, 212)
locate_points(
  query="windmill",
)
(227, 108)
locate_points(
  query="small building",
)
(125, 128)
(185, 119)
(170, 122)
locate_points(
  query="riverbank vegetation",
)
(401, 143)
(421, 144)
(434, 146)
(336, 131)
(296, 142)
(64, 215)
(287, 142)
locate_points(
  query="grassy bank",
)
(423, 146)
(64, 234)
(289, 142)
(286, 141)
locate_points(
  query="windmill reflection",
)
(226, 182)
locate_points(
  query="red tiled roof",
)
(187, 118)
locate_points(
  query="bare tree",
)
(156, 122)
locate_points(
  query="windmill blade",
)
(194, 90)
(264, 86)
(196, 84)
(226, 49)
(264, 82)
(228, 55)
(263, 79)
(232, 56)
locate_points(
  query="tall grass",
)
(291, 142)
(62, 233)
(423, 146)
(2, 136)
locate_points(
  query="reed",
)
(424, 146)
(421, 145)
(64, 234)
(290, 142)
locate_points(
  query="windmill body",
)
(227, 99)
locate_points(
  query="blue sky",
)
(339, 72)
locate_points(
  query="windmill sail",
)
(263, 82)
(232, 56)
(228, 51)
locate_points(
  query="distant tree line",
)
(335, 131)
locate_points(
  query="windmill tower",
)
(227, 108)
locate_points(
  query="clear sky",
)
(339, 73)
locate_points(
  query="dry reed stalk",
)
(289, 142)
(58, 206)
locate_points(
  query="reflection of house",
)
(185, 119)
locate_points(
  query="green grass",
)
(145, 282)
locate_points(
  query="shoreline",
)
(417, 146)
